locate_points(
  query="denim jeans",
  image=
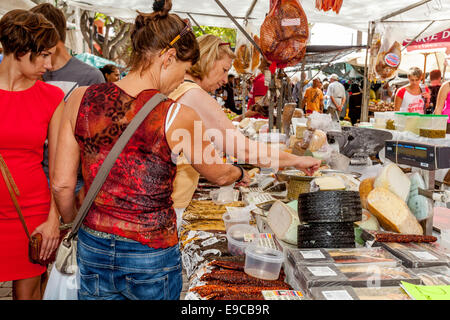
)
(112, 269)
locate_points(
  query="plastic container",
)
(380, 120)
(236, 238)
(400, 121)
(412, 122)
(433, 126)
(224, 195)
(262, 262)
(237, 218)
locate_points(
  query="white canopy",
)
(8, 5)
(355, 14)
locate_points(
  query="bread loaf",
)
(364, 189)
(393, 179)
(392, 212)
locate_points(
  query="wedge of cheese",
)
(365, 187)
(393, 179)
(392, 212)
(284, 221)
(328, 183)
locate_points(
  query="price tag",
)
(209, 242)
(290, 22)
(322, 271)
(316, 254)
(282, 295)
(337, 295)
(424, 255)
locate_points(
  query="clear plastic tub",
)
(400, 121)
(237, 218)
(380, 120)
(236, 238)
(433, 126)
(263, 263)
(413, 123)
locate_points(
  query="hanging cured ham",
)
(284, 33)
(327, 5)
(388, 62)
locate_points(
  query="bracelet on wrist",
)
(242, 172)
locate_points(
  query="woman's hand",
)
(50, 237)
(308, 165)
(245, 180)
(426, 95)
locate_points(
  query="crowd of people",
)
(128, 244)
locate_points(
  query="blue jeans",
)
(112, 269)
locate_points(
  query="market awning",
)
(439, 40)
(8, 5)
(354, 13)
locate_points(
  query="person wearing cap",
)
(336, 93)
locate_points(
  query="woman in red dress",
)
(30, 112)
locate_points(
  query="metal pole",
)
(250, 10)
(196, 23)
(410, 7)
(239, 26)
(415, 38)
(365, 105)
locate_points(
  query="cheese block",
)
(419, 205)
(392, 212)
(393, 179)
(364, 189)
(328, 183)
(284, 221)
(253, 172)
(368, 222)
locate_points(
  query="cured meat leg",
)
(284, 33)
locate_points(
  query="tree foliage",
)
(226, 34)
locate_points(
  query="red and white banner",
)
(436, 41)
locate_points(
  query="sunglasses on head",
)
(183, 32)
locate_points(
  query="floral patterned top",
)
(134, 201)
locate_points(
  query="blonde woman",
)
(206, 76)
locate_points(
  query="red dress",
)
(24, 121)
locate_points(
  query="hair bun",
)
(162, 7)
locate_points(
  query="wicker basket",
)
(296, 184)
(297, 187)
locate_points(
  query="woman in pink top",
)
(443, 102)
(412, 98)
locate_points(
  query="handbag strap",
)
(13, 191)
(104, 170)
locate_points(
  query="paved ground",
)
(6, 290)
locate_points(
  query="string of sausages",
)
(327, 5)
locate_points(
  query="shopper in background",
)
(413, 97)
(385, 92)
(110, 72)
(128, 243)
(336, 92)
(313, 99)
(355, 103)
(435, 85)
(208, 74)
(259, 89)
(228, 96)
(443, 102)
(30, 112)
(343, 114)
(67, 72)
